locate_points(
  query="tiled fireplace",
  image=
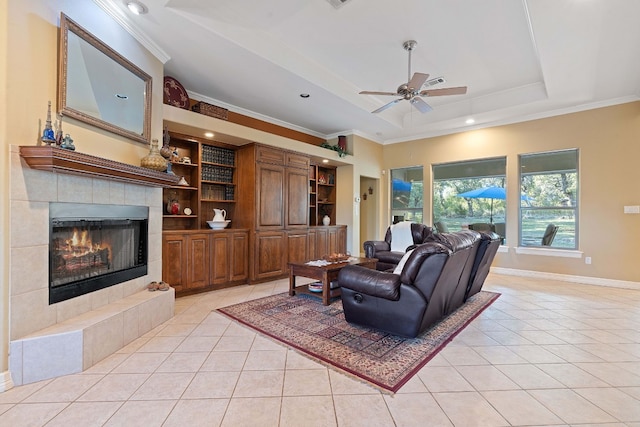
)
(94, 246)
(70, 335)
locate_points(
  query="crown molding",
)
(119, 16)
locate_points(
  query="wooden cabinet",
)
(272, 197)
(270, 189)
(174, 260)
(193, 261)
(274, 202)
(197, 260)
(328, 240)
(269, 255)
(239, 256)
(297, 213)
(312, 245)
(322, 242)
(298, 246)
(219, 258)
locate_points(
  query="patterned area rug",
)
(320, 332)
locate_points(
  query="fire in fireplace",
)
(95, 246)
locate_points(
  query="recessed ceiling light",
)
(136, 7)
(470, 121)
(325, 161)
(209, 134)
(304, 95)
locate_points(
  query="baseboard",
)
(595, 281)
(6, 382)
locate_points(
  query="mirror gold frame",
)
(98, 86)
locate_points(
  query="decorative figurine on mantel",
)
(154, 159)
(67, 143)
(59, 133)
(48, 136)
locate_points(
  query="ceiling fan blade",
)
(445, 91)
(385, 106)
(417, 81)
(373, 92)
(420, 105)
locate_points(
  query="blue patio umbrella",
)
(489, 193)
(401, 192)
(400, 185)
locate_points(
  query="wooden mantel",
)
(54, 159)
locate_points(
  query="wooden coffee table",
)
(324, 274)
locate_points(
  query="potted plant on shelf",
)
(337, 148)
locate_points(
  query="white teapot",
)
(219, 215)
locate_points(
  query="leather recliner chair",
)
(431, 285)
(381, 249)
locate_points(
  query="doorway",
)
(369, 210)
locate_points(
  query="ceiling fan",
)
(411, 92)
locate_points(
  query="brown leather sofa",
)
(381, 249)
(434, 281)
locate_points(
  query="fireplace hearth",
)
(94, 246)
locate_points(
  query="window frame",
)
(574, 208)
(418, 212)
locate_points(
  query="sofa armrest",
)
(370, 282)
(372, 246)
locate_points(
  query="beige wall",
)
(32, 72)
(5, 381)
(28, 80)
(369, 211)
(608, 140)
(367, 161)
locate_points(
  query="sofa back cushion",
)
(403, 261)
(489, 244)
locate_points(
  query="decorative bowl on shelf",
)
(315, 287)
(219, 225)
(336, 257)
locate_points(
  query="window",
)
(549, 207)
(407, 190)
(470, 193)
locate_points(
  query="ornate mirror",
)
(98, 86)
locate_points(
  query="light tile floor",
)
(545, 353)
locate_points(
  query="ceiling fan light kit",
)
(411, 92)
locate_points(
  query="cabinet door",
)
(322, 242)
(239, 251)
(270, 184)
(295, 160)
(219, 258)
(197, 260)
(270, 256)
(333, 240)
(174, 260)
(312, 245)
(297, 244)
(297, 198)
(270, 155)
(342, 240)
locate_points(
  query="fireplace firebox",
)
(92, 247)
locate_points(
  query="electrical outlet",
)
(632, 209)
(587, 260)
